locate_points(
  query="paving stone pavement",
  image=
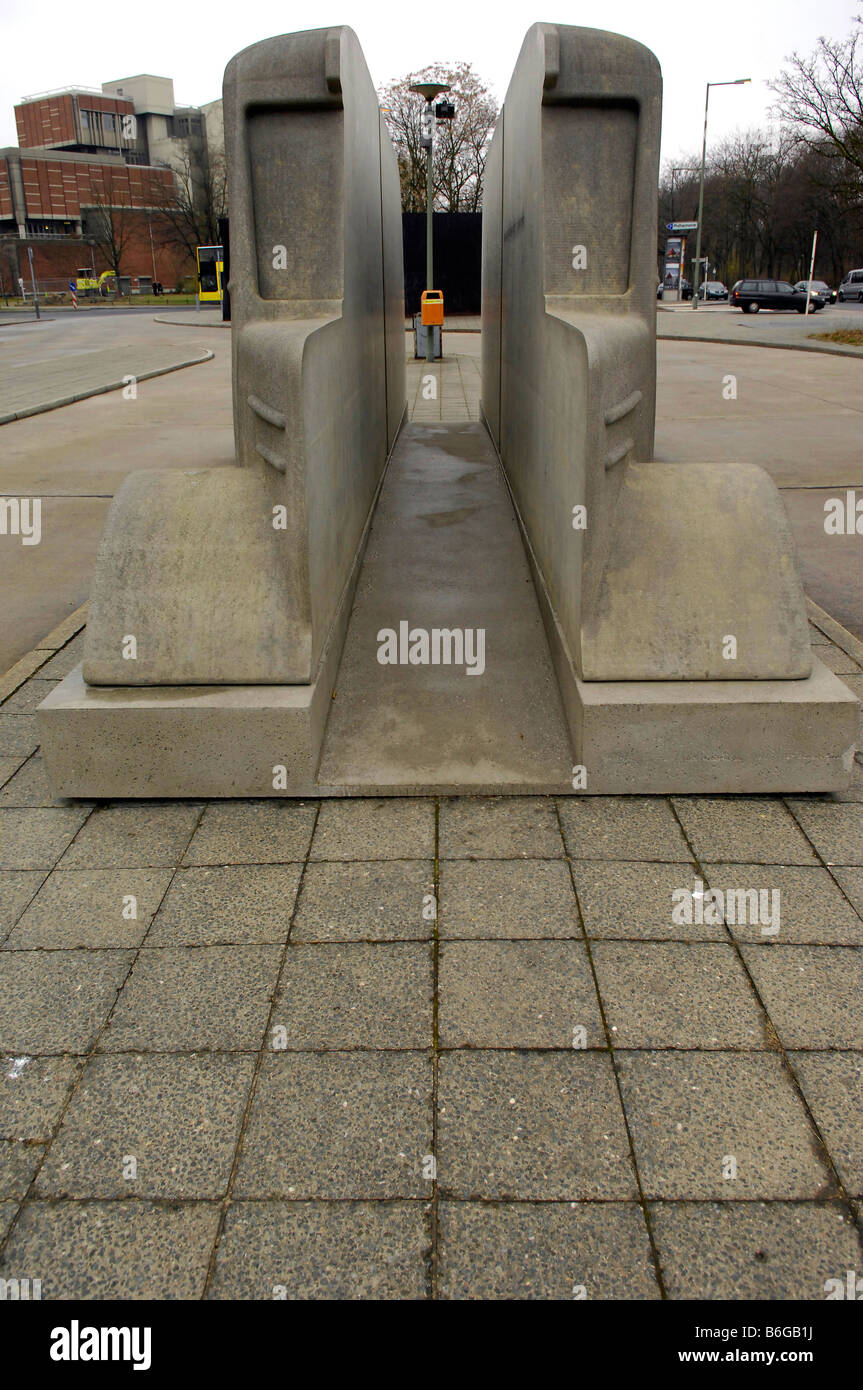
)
(450, 388)
(427, 1048)
(27, 388)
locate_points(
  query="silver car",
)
(851, 287)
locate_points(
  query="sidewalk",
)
(448, 389)
(424, 1047)
(29, 388)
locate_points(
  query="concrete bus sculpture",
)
(222, 603)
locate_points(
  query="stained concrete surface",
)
(445, 552)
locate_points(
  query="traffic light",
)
(444, 111)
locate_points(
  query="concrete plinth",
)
(715, 736)
(631, 736)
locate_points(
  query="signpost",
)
(811, 270)
(33, 282)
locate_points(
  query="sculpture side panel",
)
(306, 168)
(492, 266)
(578, 369)
(318, 390)
(394, 286)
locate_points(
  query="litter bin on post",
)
(429, 320)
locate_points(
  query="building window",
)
(108, 122)
(91, 127)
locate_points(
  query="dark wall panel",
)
(457, 259)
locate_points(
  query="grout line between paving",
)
(434, 1253)
(87, 1057)
(253, 1087)
(609, 1045)
(841, 1193)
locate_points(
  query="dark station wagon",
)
(752, 295)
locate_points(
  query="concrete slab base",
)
(632, 737)
(717, 736)
(181, 741)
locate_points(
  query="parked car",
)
(851, 287)
(752, 295)
(819, 287)
(712, 289)
(685, 290)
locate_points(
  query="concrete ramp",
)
(445, 554)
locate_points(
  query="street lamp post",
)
(736, 82)
(430, 90)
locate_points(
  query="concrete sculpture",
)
(240, 580)
(222, 606)
(670, 592)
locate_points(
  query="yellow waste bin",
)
(431, 307)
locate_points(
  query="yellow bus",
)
(210, 266)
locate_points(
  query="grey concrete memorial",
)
(350, 608)
(670, 592)
(235, 584)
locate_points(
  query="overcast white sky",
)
(53, 44)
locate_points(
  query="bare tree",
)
(108, 222)
(460, 145)
(764, 193)
(190, 207)
(820, 98)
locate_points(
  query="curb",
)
(101, 390)
(851, 645)
(31, 661)
(173, 323)
(831, 349)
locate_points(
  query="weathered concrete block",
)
(238, 578)
(667, 564)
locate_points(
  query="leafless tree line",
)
(767, 191)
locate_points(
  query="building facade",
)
(96, 180)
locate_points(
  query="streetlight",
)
(737, 82)
(429, 90)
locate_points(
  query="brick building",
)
(90, 181)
